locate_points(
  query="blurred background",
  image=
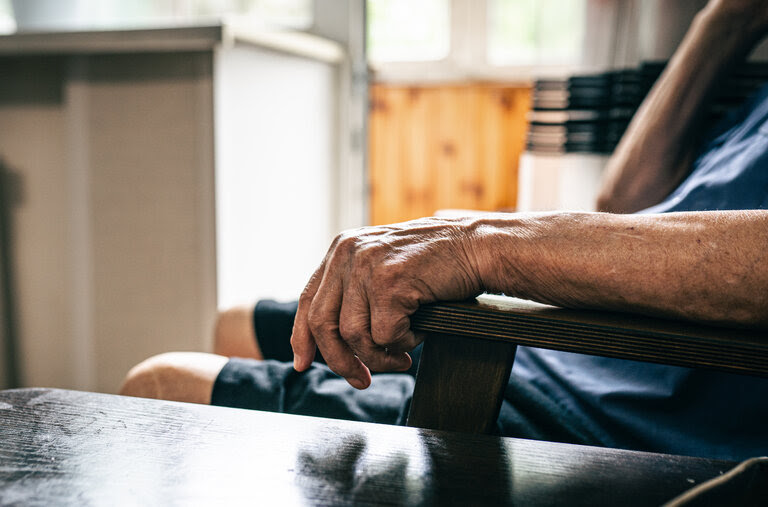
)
(162, 159)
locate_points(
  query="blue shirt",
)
(669, 409)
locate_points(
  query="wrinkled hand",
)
(356, 306)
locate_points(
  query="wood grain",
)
(72, 448)
(449, 146)
(606, 334)
(460, 384)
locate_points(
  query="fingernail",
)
(296, 362)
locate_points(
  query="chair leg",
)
(460, 383)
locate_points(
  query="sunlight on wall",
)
(111, 14)
(275, 156)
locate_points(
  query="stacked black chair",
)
(589, 113)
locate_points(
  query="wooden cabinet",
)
(448, 146)
(143, 157)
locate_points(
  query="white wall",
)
(345, 22)
(276, 141)
(114, 244)
(33, 146)
(291, 157)
(623, 33)
(559, 182)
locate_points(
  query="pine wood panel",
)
(448, 146)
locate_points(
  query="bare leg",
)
(234, 335)
(175, 376)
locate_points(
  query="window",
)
(474, 39)
(407, 30)
(7, 23)
(535, 32)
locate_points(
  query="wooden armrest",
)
(608, 334)
(470, 346)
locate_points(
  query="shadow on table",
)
(428, 468)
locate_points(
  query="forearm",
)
(656, 151)
(356, 308)
(707, 266)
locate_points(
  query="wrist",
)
(499, 246)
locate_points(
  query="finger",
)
(324, 314)
(391, 328)
(355, 330)
(302, 342)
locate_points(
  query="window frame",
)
(467, 58)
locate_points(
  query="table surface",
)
(69, 447)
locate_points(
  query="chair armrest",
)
(609, 334)
(470, 347)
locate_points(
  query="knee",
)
(175, 376)
(234, 334)
(142, 380)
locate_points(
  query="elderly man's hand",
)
(356, 306)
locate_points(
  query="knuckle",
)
(314, 328)
(314, 313)
(383, 279)
(305, 297)
(347, 244)
(406, 298)
(351, 332)
(336, 240)
(322, 328)
(393, 333)
(368, 252)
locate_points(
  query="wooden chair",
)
(470, 348)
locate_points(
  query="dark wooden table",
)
(68, 447)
